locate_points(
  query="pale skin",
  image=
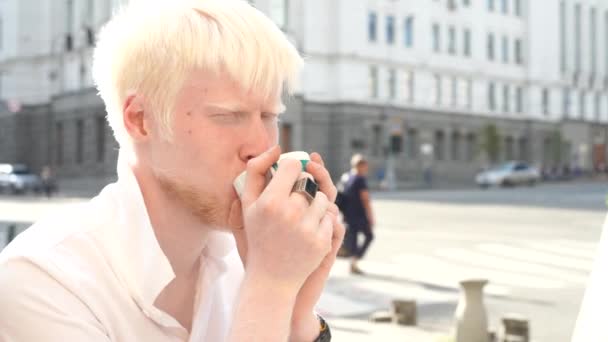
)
(287, 245)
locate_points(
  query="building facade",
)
(416, 83)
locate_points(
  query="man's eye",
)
(270, 116)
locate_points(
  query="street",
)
(534, 245)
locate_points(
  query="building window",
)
(373, 81)
(471, 145)
(505, 49)
(490, 46)
(545, 100)
(59, 142)
(439, 145)
(408, 86)
(593, 30)
(91, 12)
(518, 8)
(509, 148)
(490, 4)
(467, 43)
(463, 93)
(278, 12)
(566, 102)
(100, 129)
(372, 22)
(286, 137)
(412, 143)
(492, 96)
(519, 100)
(79, 141)
(505, 7)
(437, 90)
(455, 146)
(392, 83)
(506, 98)
(523, 149)
(606, 47)
(69, 18)
(377, 140)
(518, 52)
(454, 91)
(562, 34)
(577, 37)
(408, 32)
(452, 41)
(390, 29)
(436, 38)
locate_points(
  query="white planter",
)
(471, 316)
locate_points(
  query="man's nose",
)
(259, 139)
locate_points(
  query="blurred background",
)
(485, 123)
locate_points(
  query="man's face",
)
(217, 128)
(363, 168)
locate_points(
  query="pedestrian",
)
(170, 252)
(358, 213)
(46, 176)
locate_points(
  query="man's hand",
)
(304, 323)
(305, 326)
(284, 238)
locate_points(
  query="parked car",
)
(17, 178)
(508, 174)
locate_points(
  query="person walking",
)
(358, 213)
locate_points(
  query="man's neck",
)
(181, 236)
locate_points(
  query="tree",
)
(490, 142)
(556, 147)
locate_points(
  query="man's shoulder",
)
(55, 235)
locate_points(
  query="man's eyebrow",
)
(236, 108)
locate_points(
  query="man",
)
(192, 89)
(357, 211)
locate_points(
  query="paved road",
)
(535, 245)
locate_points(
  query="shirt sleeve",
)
(36, 307)
(360, 184)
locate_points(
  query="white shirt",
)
(93, 272)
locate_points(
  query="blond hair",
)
(149, 48)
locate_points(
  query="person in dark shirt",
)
(358, 211)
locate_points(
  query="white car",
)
(17, 178)
(508, 174)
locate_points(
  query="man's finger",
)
(323, 179)
(317, 158)
(286, 176)
(317, 209)
(256, 174)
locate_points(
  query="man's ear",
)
(134, 118)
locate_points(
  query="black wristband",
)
(324, 332)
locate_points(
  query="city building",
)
(414, 85)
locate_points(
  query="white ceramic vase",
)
(471, 316)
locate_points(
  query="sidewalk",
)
(344, 330)
(349, 300)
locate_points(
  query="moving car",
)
(508, 174)
(17, 178)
